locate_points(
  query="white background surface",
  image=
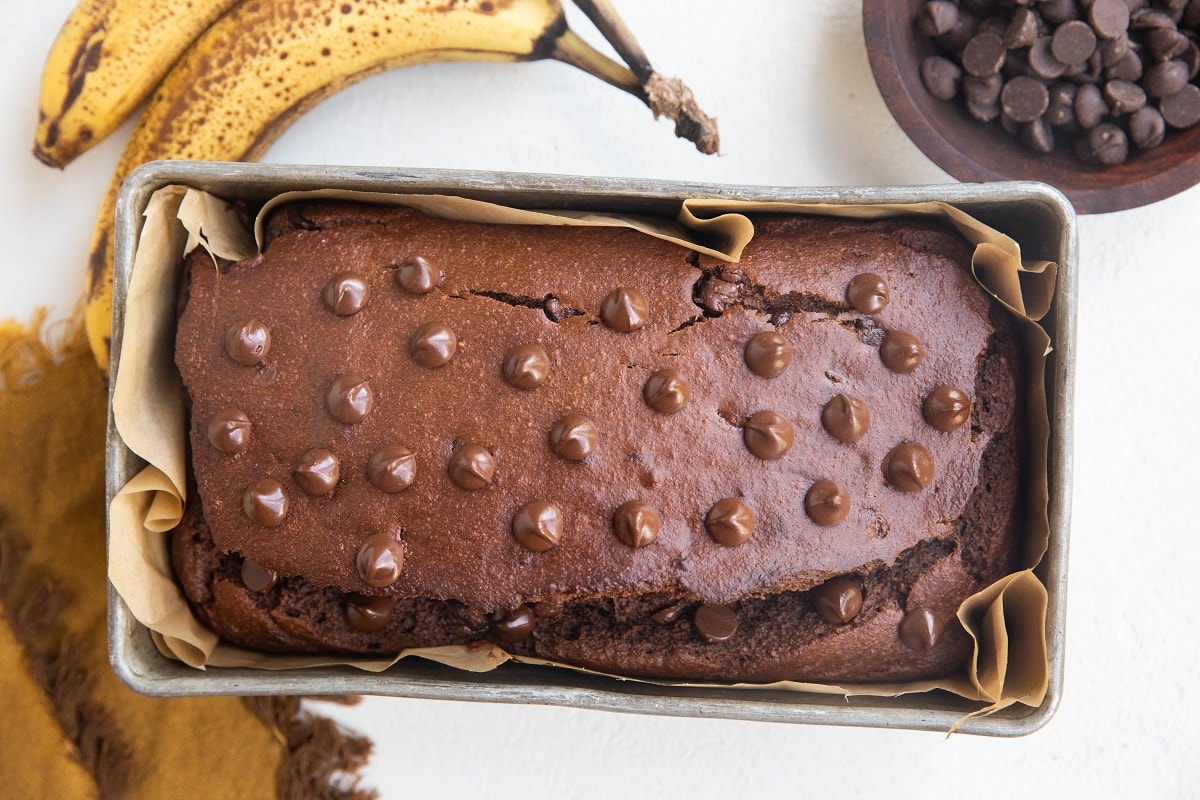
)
(797, 106)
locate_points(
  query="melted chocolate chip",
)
(471, 467)
(379, 560)
(369, 614)
(513, 626)
(418, 276)
(919, 629)
(826, 503)
(350, 399)
(665, 616)
(547, 610)
(768, 435)
(392, 468)
(908, 467)
(636, 523)
(257, 579)
(537, 526)
(846, 418)
(526, 366)
(901, 351)
(433, 345)
(867, 293)
(248, 343)
(714, 294)
(573, 437)
(625, 309)
(229, 431)
(317, 472)
(346, 293)
(838, 600)
(265, 503)
(715, 623)
(768, 354)
(730, 521)
(946, 408)
(666, 391)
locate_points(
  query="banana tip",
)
(47, 158)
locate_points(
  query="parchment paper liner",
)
(1006, 620)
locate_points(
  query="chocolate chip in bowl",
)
(1098, 98)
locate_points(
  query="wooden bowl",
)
(974, 151)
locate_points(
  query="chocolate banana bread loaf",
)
(595, 447)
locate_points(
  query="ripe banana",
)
(263, 64)
(108, 57)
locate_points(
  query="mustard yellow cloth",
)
(71, 729)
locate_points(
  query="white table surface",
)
(797, 105)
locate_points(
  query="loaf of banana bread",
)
(595, 447)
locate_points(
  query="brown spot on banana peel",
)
(100, 260)
(98, 310)
(85, 61)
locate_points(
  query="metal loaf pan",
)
(1037, 216)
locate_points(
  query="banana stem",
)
(667, 97)
(608, 22)
(570, 49)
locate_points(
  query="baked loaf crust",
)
(594, 447)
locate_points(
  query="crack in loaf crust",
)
(597, 598)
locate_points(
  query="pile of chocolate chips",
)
(1095, 75)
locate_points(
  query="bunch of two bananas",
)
(225, 78)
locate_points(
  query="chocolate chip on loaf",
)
(538, 526)
(526, 366)
(730, 521)
(248, 343)
(317, 472)
(418, 276)
(636, 524)
(768, 354)
(666, 391)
